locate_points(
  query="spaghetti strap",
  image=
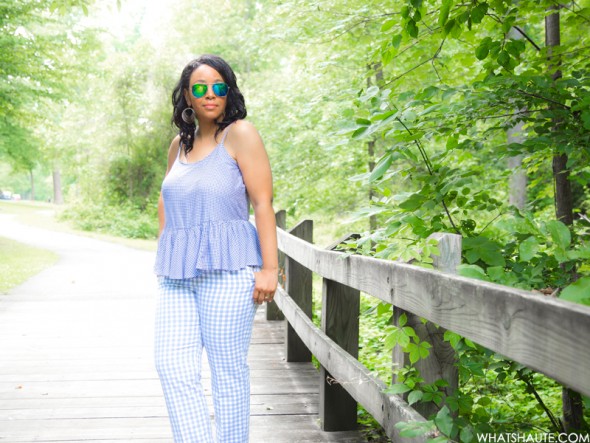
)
(225, 134)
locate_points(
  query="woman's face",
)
(209, 106)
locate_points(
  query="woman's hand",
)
(265, 285)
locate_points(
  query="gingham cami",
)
(207, 225)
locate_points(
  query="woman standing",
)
(214, 267)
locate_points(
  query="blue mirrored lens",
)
(220, 89)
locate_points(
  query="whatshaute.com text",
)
(517, 437)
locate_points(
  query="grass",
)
(18, 262)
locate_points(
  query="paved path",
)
(76, 354)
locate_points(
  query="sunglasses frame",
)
(213, 85)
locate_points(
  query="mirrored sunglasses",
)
(219, 89)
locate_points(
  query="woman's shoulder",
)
(242, 137)
(242, 131)
(243, 127)
(175, 142)
(173, 150)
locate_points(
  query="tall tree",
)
(573, 407)
(32, 39)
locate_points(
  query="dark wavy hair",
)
(235, 108)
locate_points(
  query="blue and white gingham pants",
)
(215, 311)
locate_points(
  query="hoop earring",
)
(188, 115)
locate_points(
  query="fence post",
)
(299, 287)
(441, 361)
(272, 310)
(340, 322)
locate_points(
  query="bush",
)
(123, 220)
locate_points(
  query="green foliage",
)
(121, 220)
(441, 167)
(33, 61)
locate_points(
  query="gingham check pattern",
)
(214, 311)
(207, 218)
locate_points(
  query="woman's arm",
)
(172, 154)
(253, 162)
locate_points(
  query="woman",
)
(214, 267)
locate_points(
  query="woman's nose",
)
(210, 93)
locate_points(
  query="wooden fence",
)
(546, 334)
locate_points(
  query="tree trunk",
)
(563, 190)
(32, 179)
(371, 152)
(518, 178)
(57, 194)
(573, 408)
(371, 145)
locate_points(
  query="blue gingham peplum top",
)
(207, 210)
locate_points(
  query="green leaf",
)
(403, 320)
(414, 351)
(414, 429)
(396, 40)
(586, 119)
(412, 203)
(578, 292)
(412, 28)
(472, 271)
(560, 234)
(481, 248)
(528, 248)
(414, 396)
(398, 388)
(479, 12)
(388, 25)
(482, 51)
(466, 435)
(359, 132)
(452, 142)
(452, 337)
(363, 121)
(381, 167)
(444, 12)
(418, 351)
(449, 27)
(444, 421)
(503, 58)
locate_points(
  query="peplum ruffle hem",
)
(227, 245)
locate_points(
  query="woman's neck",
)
(207, 129)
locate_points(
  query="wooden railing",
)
(546, 334)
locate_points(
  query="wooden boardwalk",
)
(76, 357)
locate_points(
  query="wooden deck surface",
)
(76, 359)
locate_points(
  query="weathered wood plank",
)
(276, 429)
(350, 373)
(299, 285)
(272, 310)
(340, 322)
(506, 320)
(441, 362)
(109, 407)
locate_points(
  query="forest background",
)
(393, 119)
